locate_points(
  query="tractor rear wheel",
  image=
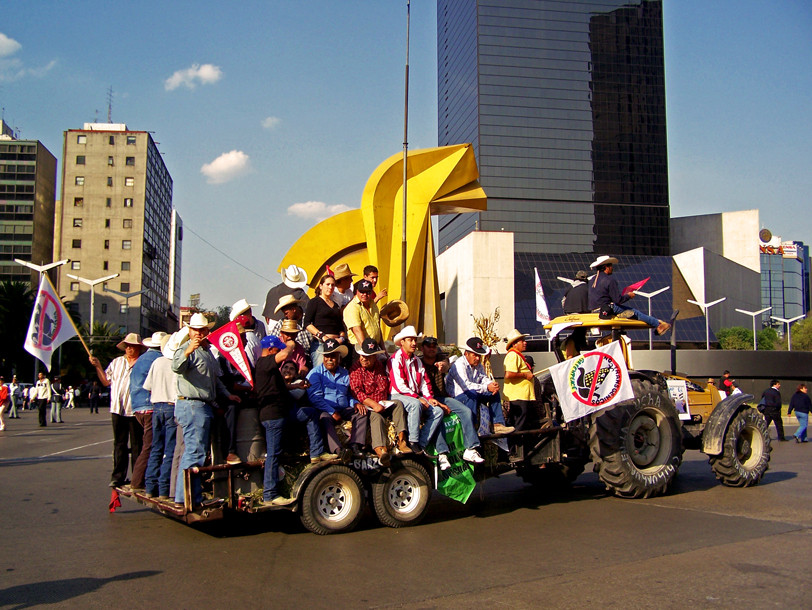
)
(746, 450)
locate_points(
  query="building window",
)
(104, 307)
(126, 244)
(125, 286)
(81, 139)
(80, 180)
(125, 265)
(130, 161)
(106, 246)
(80, 159)
(78, 202)
(123, 309)
(128, 202)
(74, 286)
(77, 222)
(128, 223)
(110, 161)
(106, 223)
(75, 265)
(76, 243)
(105, 265)
(109, 202)
(130, 139)
(109, 181)
(112, 140)
(129, 181)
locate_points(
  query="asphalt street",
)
(701, 545)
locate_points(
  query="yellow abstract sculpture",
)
(440, 181)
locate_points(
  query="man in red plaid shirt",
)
(370, 384)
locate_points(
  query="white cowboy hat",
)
(199, 321)
(514, 336)
(603, 260)
(408, 331)
(294, 277)
(286, 300)
(154, 340)
(239, 307)
(176, 339)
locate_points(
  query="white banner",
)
(678, 392)
(592, 381)
(50, 324)
(542, 313)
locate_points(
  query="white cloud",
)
(271, 122)
(226, 167)
(316, 210)
(12, 68)
(206, 74)
(8, 46)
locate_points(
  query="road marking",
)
(109, 440)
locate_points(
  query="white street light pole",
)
(41, 268)
(754, 314)
(788, 322)
(705, 307)
(127, 296)
(92, 284)
(649, 296)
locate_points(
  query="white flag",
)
(50, 324)
(592, 381)
(542, 313)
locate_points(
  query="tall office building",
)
(27, 199)
(117, 217)
(784, 279)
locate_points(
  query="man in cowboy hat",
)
(466, 381)
(252, 329)
(163, 391)
(289, 332)
(576, 298)
(409, 384)
(294, 281)
(329, 392)
(605, 293)
(198, 385)
(370, 384)
(292, 310)
(361, 315)
(519, 386)
(125, 426)
(342, 295)
(142, 405)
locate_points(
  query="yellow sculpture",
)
(439, 181)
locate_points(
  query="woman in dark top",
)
(801, 404)
(323, 319)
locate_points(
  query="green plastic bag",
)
(456, 482)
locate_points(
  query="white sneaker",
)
(471, 455)
(442, 460)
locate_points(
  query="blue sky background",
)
(293, 103)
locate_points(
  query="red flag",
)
(114, 502)
(635, 286)
(228, 342)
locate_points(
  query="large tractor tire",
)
(637, 445)
(746, 450)
(401, 496)
(333, 501)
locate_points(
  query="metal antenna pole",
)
(405, 154)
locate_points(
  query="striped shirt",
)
(118, 374)
(407, 376)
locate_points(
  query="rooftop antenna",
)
(110, 104)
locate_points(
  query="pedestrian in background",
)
(42, 394)
(15, 393)
(801, 404)
(4, 402)
(771, 400)
(57, 398)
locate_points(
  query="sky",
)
(271, 115)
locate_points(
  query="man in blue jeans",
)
(198, 384)
(160, 383)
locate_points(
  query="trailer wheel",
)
(333, 501)
(401, 497)
(637, 445)
(746, 450)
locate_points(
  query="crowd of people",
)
(40, 396)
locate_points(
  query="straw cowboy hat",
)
(239, 307)
(409, 331)
(154, 340)
(341, 271)
(286, 300)
(294, 277)
(514, 336)
(603, 260)
(290, 327)
(130, 339)
(199, 321)
(394, 313)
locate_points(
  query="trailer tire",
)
(401, 497)
(333, 501)
(637, 444)
(746, 450)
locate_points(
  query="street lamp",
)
(92, 284)
(127, 295)
(788, 322)
(754, 314)
(705, 307)
(41, 268)
(649, 296)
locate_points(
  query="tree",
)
(735, 337)
(16, 305)
(767, 339)
(801, 336)
(74, 362)
(223, 312)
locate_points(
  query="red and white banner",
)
(228, 342)
(50, 325)
(592, 381)
(542, 313)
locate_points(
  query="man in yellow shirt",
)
(361, 315)
(519, 384)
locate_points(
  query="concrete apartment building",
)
(116, 216)
(27, 200)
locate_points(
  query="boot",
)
(403, 445)
(383, 456)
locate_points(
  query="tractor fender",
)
(714, 434)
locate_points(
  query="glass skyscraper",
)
(564, 102)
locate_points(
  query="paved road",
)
(702, 545)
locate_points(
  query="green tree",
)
(767, 339)
(16, 305)
(802, 335)
(735, 337)
(223, 312)
(74, 362)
